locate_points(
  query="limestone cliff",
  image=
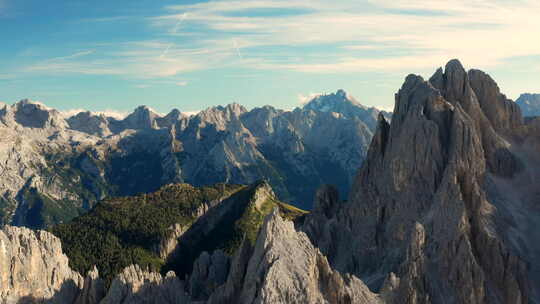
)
(432, 215)
(33, 268)
(284, 267)
(136, 286)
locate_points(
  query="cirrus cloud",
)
(318, 37)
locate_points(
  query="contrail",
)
(237, 49)
(175, 29)
(166, 50)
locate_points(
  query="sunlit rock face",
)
(442, 209)
(33, 268)
(284, 267)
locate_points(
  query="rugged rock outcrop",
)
(169, 243)
(142, 118)
(529, 104)
(428, 217)
(223, 226)
(344, 104)
(284, 267)
(137, 286)
(93, 289)
(87, 122)
(35, 115)
(209, 272)
(281, 266)
(33, 268)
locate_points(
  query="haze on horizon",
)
(115, 55)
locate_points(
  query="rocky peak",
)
(342, 103)
(174, 113)
(284, 265)
(341, 93)
(265, 122)
(380, 138)
(317, 225)
(331, 102)
(456, 80)
(529, 104)
(421, 218)
(495, 117)
(223, 117)
(235, 109)
(32, 114)
(262, 191)
(326, 201)
(33, 268)
(93, 289)
(503, 113)
(142, 118)
(137, 286)
(90, 123)
(170, 119)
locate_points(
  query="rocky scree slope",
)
(55, 168)
(444, 206)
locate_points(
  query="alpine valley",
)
(442, 201)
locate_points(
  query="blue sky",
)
(115, 55)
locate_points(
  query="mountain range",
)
(55, 168)
(444, 209)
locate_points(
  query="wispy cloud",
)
(143, 62)
(182, 83)
(71, 112)
(74, 55)
(174, 31)
(235, 43)
(471, 30)
(107, 19)
(109, 113)
(303, 99)
(113, 113)
(342, 36)
(190, 113)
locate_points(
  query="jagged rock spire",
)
(285, 267)
(421, 217)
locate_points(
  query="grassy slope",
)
(239, 217)
(122, 231)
